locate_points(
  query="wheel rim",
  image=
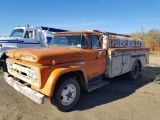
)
(68, 94)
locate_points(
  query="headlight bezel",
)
(33, 74)
(9, 64)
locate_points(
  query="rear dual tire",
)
(133, 75)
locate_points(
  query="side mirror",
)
(105, 42)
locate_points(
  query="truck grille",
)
(24, 73)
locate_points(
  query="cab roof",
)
(96, 32)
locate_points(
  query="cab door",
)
(96, 62)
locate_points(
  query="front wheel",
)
(3, 66)
(67, 94)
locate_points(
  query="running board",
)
(96, 82)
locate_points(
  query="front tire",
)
(67, 94)
(3, 66)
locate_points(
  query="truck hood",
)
(46, 55)
(9, 41)
(9, 38)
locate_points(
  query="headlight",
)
(9, 54)
(9, 64)
(33, 74)
(28, 58)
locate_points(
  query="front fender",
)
(54, 76)
(3, 49)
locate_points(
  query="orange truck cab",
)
(73, 61)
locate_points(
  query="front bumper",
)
(28, 92)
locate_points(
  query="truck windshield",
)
(77, 41)
(17, 33)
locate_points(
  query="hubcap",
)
(68, 94)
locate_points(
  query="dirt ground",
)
(122, 99)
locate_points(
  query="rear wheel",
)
(67, 94)
(135, 71)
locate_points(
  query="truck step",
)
(96, 83)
